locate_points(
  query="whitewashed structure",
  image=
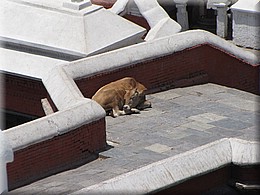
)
(64, 28)
(172, 170)
(158, 19)
(6, 156)
(246, 23)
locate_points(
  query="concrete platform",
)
(183, 123)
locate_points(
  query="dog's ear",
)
(136, 92)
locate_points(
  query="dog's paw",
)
(126, 107)
(135, 111)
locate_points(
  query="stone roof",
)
(57, 25)
(248, 6)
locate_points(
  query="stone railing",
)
(180, 168)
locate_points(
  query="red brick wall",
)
(225, 176)
(225, 69)
(57, 154)
(220, 67)
(141, 21)
(24, 94)
(200, 184)
(105, 3)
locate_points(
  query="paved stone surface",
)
(181, 119)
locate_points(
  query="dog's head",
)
(137, 97)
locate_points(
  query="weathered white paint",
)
(151, 50)
(182, 14)
(245, 152)
(62, 88)
(159, 21)
(50, 25)
(222, 19)
(212, 4)
(6, 156)
(76, 4)
(247, 6)
(246, 23)
(80, 113)
(23, 63)
(46, 106)
(176, 169)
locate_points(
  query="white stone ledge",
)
(245, 152)
(84, 112)
(179, 168)
(151, 50)
(62, 88)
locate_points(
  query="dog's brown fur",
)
(124, 96)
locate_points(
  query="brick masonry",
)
(58, 154)
(138, 20)
(220, 67)
(105, 3)
(24, 94)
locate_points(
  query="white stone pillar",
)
(222, 19)
(6, 155)
(182, 14)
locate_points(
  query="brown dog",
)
(124, 96)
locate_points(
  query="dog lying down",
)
(121, 97)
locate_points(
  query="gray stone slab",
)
(207, 117)
(224, 132)
(189, 100)
(243, 94)
(202, 139)
(159, 148)
(252, 134)
(232, 124)
(217, 108)
(200, 126)
(165, 95)
(241, 103)
(187, 111)
(246, 116)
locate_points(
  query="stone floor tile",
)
(198, 126)
(165, 95)
(223, 132)
(189, 100)
(240, 103)
(246, 116)
(207, 117)
(229, 123)
(159, 148)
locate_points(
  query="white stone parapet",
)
(6, 156)
(159, 21)
(179, 168)
(80, 113)
(146, 51)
